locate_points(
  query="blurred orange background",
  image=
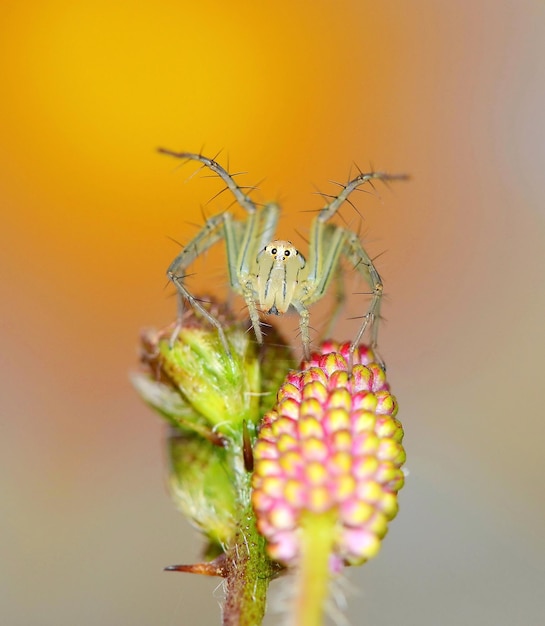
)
(294, 93)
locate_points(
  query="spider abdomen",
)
(278, 266)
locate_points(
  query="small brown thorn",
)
(217, 567)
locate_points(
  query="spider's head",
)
(278, 266)
(282, 253)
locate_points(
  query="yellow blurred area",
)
(293, 94)
(95, 88)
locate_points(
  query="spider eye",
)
(274, 251)
(287, 253)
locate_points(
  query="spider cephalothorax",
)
(271, 274)
(279, 264)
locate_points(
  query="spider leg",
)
(213, 230)
(325, 248)
(330, 209)
(248, 293)
(362, 262)
(356, 253)
(242, 243)
(304, 325)
(244, 200)
(327, 244)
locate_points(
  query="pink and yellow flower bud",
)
(330, 450)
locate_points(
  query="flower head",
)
(330, 450)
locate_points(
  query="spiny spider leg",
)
(214, 229)
(330, 209)
(273, 276)
(325, 248)
(207, 237)
(327, 244)
(364, 265)
(243, 241)
(244, 200)
(357, 254)
(261, 227)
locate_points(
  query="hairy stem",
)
(249, 573)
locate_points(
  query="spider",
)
(271, 274)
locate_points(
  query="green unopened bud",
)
(222, 387)
(202, 485)
(194, 381)
(214, 399)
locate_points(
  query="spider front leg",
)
(325, 248)
(243, 199)
(353, 251)
(248, 292)
(330, 209)
(212, 231)
(304, 327)
(240, 241)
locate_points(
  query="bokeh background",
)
(294, 93)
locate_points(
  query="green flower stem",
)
(313, 572)
(249, 569)
(249, 572)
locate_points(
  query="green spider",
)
(271, 274)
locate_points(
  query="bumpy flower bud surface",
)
(331, 447)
